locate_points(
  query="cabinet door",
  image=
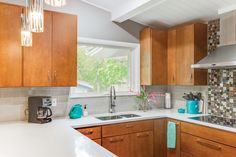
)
(146, 57)
(183, 154)
(142, 144)
(184, 55)
(10, 46)
(175, 152)
(64, 50)
(159, 57)
(160, 138)
(171, 61)
(119, 145)
(38, 58)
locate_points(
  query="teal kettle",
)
(76, 111)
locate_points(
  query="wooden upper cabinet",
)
(171, 53)
(184, 55)
(64, 50)
(153, 57)
(37, 67)
(186, 46)
(10, 46)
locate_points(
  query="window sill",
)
(123, 94)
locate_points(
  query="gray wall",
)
(94, 22)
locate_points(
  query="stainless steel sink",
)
(104, 118)
(130, 115)
(109, 117)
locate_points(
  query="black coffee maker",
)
(39, 109)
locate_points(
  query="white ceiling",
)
(107, 5)
(163, 13)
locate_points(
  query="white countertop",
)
(55, 139)
(59, 139)
(153, 114)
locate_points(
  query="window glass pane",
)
(99, 67)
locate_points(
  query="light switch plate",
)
(54, 101)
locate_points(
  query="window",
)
(101, 66)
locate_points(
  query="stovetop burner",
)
(217, 120)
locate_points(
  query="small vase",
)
(144, 105)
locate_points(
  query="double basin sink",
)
(105, 118)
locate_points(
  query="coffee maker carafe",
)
(39, 109)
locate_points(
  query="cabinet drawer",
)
(92, 133)
(126, 128)
(119, 145)
(212, 134)
(142, 144)
(200, 147)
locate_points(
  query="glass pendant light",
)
(26, 34)
(36, 15)
(56, 3)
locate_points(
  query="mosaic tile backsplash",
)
(222, 82)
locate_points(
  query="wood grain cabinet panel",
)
(220, 136)
(98, 141)
(91, 132)
(37, 69)
(10, 46)
(127, 128)
(64, 50)
(191, 47)
(183, 154)
(153, 57)
(171, 54)
(184, 55)
(200, 147)
(160, 138)
(142, 144)
(119, 145)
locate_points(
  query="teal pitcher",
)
(76, 111)
(192, 106)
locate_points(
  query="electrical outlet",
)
(54, 101)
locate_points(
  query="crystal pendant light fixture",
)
(26, 34)
(56, 3)
(36, 16)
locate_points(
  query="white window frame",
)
(135, 67)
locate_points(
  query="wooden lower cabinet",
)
(200, 147)
(175, 152)
(91, 132)
(142, 144)
(160, 138)
(183, 154)
(119, 145)
(132, 139)
(98, 141)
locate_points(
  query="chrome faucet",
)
(112, 99)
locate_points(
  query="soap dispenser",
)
(85, 110)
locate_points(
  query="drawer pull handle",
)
(88, 132)
(142, 135)
(116, 140)
(209, 145)
(129, 126)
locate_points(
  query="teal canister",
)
(76, 111)
(192, 106)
